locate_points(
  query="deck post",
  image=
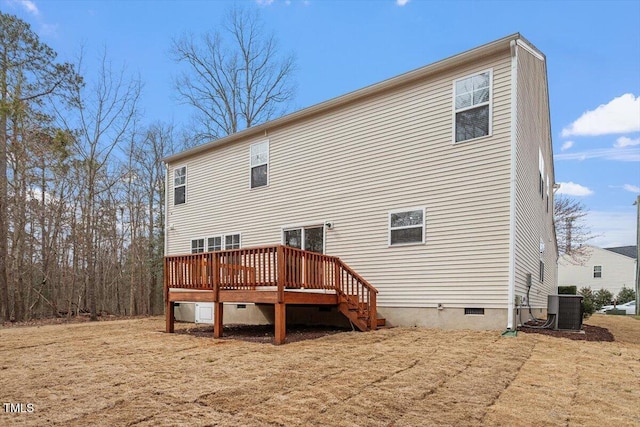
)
(169, 320)
(281, 273)
(280, 323)
(216, 277)
(373, 315)
(218, 314)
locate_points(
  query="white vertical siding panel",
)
(352, 166)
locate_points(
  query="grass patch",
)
(130, 372)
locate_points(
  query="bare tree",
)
(572, 232)
(105, 114)
(234, 78)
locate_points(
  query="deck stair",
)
(277, 275)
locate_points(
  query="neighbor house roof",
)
(394, 82)
(630, 251)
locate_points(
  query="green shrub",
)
(588, 305)
(626, 295)
(567, 290)
(602, 297)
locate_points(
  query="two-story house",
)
(435, 186)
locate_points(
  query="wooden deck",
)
(277, 275)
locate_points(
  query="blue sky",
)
(592, 50)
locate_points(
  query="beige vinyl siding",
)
(354, 164)
(532, 220)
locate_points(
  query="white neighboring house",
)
(425, 184)
(604, 268)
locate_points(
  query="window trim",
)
(183, 185)
(424, 226)
(599, 272)
(489, 103)
(204, 245)
(223, 242)
(251, 165)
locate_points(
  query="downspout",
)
(512, 214)
(166, 209)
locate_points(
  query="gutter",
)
(512, 214)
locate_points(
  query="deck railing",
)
(280, 266)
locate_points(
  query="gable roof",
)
(628, 251)
(394, 82)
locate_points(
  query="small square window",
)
(597, 271)
(197, 246)
(214, 244)
(232, 241)
(406, 226)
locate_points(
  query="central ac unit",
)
(567, 310)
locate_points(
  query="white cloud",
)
(264, 2)
(623, 141)
(620, 115)
(566, 145)
(29, 6)
(402, 2)
(625, 154)
(631, 188)
(613, 228)
(572, 189)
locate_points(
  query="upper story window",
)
(259, 164)
(473, 106)
(406, 226)
(180, 185)
(597, 271)
(197, 246)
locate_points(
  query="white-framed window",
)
(306, 237)
(472, 106)
(407, 226)
(232, 241)
(597, 271)
(259, 160)
(223, 242)
(180, 185)
(214, 243)
(197, 246)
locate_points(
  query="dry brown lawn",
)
(128, 372)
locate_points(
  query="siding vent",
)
(479, 311)
(241, 306)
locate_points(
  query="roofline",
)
(393, 82)
(611, 252)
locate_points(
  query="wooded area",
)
(82, 183)
(82, 189)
